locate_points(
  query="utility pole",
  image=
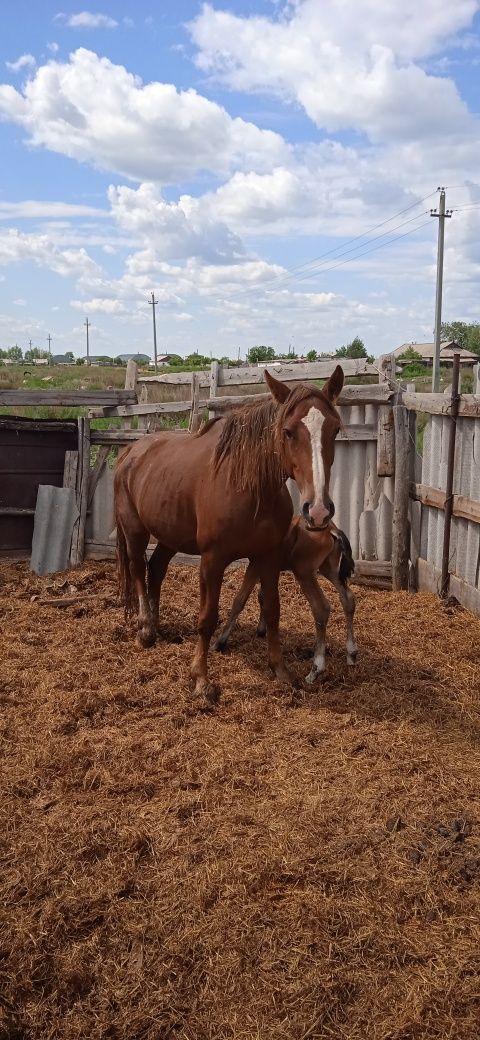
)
(49, 341)
(30, 344)
(442, 215)
(87, 324)
(153, 303)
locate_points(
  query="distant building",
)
(164, 359)
(427, 351)
(61, 359)
(141, 359)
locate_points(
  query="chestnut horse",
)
(221, 493)
(307, 553)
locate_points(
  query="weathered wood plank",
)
(464, 507)
(15, 511)
(78, 540)
(439, 404)
(400, 524)
(252, 374)
(130, 384)
(373, 393)
(66, 398)
(70, 469)
(116, 437)
(385, 442)
(195, 417)
(96, 472)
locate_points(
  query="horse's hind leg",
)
(156, 571)
(211, 576)
(347, 600)
(248, 584)
(320, 608)
(262, 624)
(136, 542)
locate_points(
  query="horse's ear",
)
(278, 390)
(333, 387)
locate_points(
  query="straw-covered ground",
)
(279, 867)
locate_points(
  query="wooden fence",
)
(390, 501)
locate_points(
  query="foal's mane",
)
(250, 445)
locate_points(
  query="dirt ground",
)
(279, 867)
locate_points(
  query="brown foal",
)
(307, 553)
(221, 493)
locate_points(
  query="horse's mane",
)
(250, 445)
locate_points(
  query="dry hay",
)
(277, 868)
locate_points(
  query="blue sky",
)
(238, 161)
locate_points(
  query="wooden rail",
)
(252, 374)
(463, 507)
(67, 398)
(440, 404)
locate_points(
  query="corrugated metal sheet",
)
(55, 515)
(32, 452)
(363, 501)
(465, 534)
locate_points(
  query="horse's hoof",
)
(261, 632)
(311, 677)
(146, 637)
(220, 644)
(352, 658)
(204, 688)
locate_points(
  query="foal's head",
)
(308, 423)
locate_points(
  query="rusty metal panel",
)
(32, 452)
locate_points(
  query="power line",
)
(280, 279)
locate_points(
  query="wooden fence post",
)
(213, 383)
(401, 526)
(83, 476)
(194, 420)
(447, 516)
(386, 368)
(131, 376)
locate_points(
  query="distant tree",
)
(79, 361)
(197, 360)
(118, 361)
(412, 356)
(35, 354)
(312, 355)
(256, 354)
(355, 349)
(15, 353)
(466, 335)
(70, 356)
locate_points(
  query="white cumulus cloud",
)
(87, 20)
(25, 61)
(350, 65)
(97, 112)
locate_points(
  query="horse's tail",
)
(347, 564)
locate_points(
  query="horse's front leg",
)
(211, 576)
(248, 584)
(270, 602)
(320, 608)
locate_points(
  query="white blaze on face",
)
(314, 421)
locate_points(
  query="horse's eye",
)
(288, 434)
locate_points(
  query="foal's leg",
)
(262, 624)
(211, 576)
(347, 600)
(269, 576)
(156, 570)
(248, 584)
(320, 608)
